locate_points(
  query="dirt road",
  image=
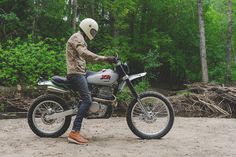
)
(189, 137)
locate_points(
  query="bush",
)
(125, 95)
(23, 62)
(1, 107)
(233, 73)
(217, 73)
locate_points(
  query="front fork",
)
(136, 96)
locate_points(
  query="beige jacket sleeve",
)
(81, 47)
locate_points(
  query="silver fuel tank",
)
(104, 77)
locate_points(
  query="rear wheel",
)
(159, 120)
(47, 105)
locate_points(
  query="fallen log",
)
(209, 99)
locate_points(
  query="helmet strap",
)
(83, 34)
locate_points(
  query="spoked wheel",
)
(159, 118)
(37, 116)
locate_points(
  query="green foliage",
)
(160, 37)
(125, 95)
(24, 61)
(216, 21)
(1, 107)
(183, 93)
(11, 17)
(142, 86)
(217, 73)
(233, 72)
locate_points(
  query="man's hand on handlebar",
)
(111, 59)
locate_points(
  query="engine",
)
(105, 93)
(102, 92)
(99, 109)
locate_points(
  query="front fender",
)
(135, 76)
(131, 78)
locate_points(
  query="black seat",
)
(60, 81)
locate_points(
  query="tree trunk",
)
(132, 27)
(74, 6)
(3, 31)
(202, 43)
(34, 21)
(229, 41)
(33, 27)
(93, 9)
(112, 24)
(2, 27)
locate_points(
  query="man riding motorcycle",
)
(77, 55)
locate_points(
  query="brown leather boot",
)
(75, 137)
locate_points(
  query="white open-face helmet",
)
(89, 27)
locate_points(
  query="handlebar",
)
(117, 60)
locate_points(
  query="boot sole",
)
(76, 142)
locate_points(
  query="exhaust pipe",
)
(72, 111)
(105, 101)
(56, 90)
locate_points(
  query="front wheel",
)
(159, 118)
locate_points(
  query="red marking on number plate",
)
(105, 77)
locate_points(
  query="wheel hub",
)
(46, 120)
(149, 118)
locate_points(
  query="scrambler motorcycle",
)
(149, 116)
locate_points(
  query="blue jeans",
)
(79, 83)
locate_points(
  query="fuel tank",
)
(104, 77)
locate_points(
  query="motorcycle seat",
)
(60, 81)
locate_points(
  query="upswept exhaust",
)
(105, 101)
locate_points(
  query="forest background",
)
(157, 36)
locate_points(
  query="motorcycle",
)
(149, 116)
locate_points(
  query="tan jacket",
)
(77, 54)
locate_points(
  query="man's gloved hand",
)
(110, 59)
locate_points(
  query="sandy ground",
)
(111, 137)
